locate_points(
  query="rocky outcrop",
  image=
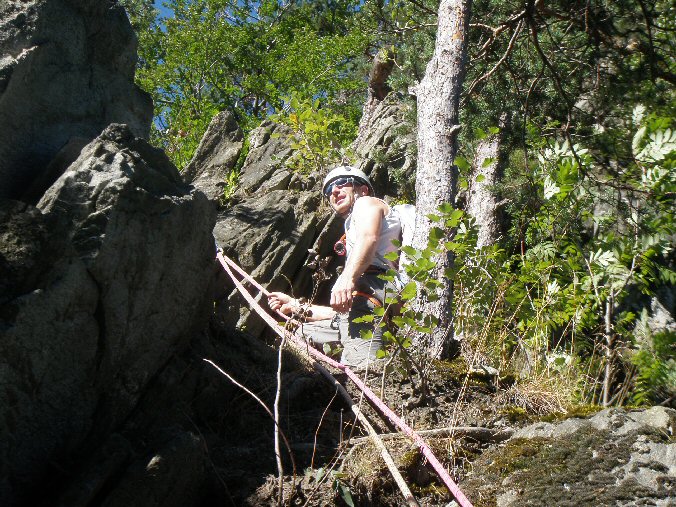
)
(66, 71)
(617, 457)
(216, 156)
(102, 284)
(387, 149)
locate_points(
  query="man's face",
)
(342, 197)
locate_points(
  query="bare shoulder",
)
(368, 204)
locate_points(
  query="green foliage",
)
(654, 359)
(593, 243)
(245, 57)
(338, 482)
(317, 135)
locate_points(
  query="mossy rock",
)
(581, 468)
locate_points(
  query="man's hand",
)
(341, 294)
(282, 302)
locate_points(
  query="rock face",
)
(387, 149)
(102, 284)
(216, 156)
(616, 457)
(66, 71)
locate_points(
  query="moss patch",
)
(575, 470)
(450, 370)
(516, 414)
(573, 411)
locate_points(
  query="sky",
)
(164, 12)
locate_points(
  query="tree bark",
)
(483, 202)
(436, 176)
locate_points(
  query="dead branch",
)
(262, 404)
(475, 432)
(486, 76)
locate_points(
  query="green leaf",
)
(391, 256)
(461, 163)
(488, 161)
(445, 208)
(455, 218)
(551, 189)
(345, 495)
(479, 178)
(399, 321)
(364, 318)
(409, 291)
(388, 336)
(409, 250)
(436, 234)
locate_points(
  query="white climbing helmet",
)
(346, 171)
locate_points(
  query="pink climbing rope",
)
(394, 418)
(223, 259)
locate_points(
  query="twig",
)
(510, 46)
(321, 420)
(398, 479)
(278, 452)
(477, 432)
(261, 403)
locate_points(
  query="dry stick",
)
(398, 479)
(321, 421)
(477, 432)
(278, 452)
(261, 403)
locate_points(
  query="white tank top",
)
(390, 229)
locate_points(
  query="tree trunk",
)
(483, 202)
(436, 176)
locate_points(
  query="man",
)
(370, 228)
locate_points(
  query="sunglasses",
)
(338, 182)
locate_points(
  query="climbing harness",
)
(229, 266)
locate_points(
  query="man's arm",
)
(367, 217)
(287, 305)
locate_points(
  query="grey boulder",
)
(66, 71)
(105, 282)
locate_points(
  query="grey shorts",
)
(357, 352)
